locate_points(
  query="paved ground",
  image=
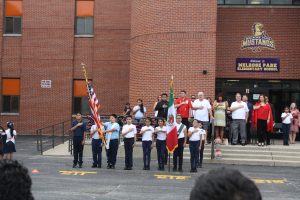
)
(57, 180)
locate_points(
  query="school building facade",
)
(131, 49)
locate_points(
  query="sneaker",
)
(94, 166)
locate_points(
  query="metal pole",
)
(53, 136)
(37, 140)
(63, 132)
(169, 162)
(41, 141)
(212, 153)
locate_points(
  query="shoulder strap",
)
(180, 128)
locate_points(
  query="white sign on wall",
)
(46, 84)
(255, 96)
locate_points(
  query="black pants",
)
(111, 153)
(261, 130)
(200, 157)
(186, 122)
(147, 152)
(77, 150)
(161, 150)
(128, 146)
(97, 152)
(178, 153)
(286, 132)
(194, 150)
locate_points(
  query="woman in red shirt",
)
(261, 118)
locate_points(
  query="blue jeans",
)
(194, 150)
(147, 153)
(161, 148)
(97, 152)
(286, 132)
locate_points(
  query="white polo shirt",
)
(96, 135)
(288, 119)
(197, 135)
(8, 136)
(162, 132)
(147, 136)
(181, 134)
(139, 114)
(241, 112)
(202, 114)
(132, 133)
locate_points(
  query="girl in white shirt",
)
(287, 118)
(195, 134)
(147, 133)
(9, 145)
(161, 132)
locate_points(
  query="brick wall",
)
(48, 50)
(172, 38)
(281, 24)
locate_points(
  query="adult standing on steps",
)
(183, 106)
(262, 118)
(295, 122)
(239, 111)
(79, 129)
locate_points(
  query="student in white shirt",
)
(161, 132)
(139, 110)
(9, 145)
(287, 118)
(195, 134)
(147, 133)
(182, 138)
(96, 146)
(239, 110)
(129, 134)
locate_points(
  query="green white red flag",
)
(172, 139)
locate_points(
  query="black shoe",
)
(74, 166)
(99, 166)
(144, 168)
(126, 168)
(233, 144)
(112, 167)
(180, 169)
(80, 166)
(174, 169)
(200, 165)
(129, 168)
(243, 144)
(94, 166)
(148, 168)
(108, 166)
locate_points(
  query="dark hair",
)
(78, 113)
(218, 96)
(148, 118)
(238, 93)
(225, 184)
(164, 94)
(183, 91)
(142, 106)
(10, 125)
(127, 104)
(286, 107)
(15, 182)
(114, 115)
(128, 116)
(262, 95)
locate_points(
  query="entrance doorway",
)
(280, 92)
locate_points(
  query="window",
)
(258, 1)
(10, 95)
(80, 99)
(235, 1)
(296, 2)
(220, 1)
(13, 17)
(281, 2)
(84, 17)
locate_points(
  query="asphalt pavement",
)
(57, 180)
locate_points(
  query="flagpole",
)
(86, 81)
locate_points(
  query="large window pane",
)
(9, 25)
(6, 104)
(297, 2)
(85, 107)
(258, 1)
(281, 2)
(220, 1)
(235, 1)
(89, 25)
(80, 26)
(15, 104)
(17, 25)
(77, 105)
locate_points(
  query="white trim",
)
(10, 114)
(84, 36)
(12, 35)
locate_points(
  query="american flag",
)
(94, 106)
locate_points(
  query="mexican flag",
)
(172, 140)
